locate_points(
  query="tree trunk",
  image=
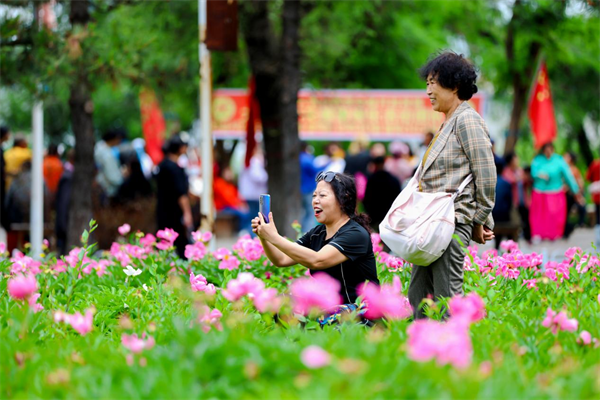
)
(80, 104)
(520, 79)
(277, 83)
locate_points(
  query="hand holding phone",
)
(265, 206)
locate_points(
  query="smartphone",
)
(265, 206)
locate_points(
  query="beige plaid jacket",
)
(463, 147)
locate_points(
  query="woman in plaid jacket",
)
(461, 147)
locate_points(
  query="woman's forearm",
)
(300, 254)
(276, 256)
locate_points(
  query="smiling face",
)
(326, 207)
(442, 99)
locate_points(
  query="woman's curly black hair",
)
(452, 71)
(344, 188)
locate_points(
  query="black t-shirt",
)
(353, 241)
(172, 183)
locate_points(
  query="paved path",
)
(552, 251)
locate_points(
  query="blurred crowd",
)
(533, 201)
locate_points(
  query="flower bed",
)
(137, 322)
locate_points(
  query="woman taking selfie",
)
(340, 247)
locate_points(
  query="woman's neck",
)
(455, 105)
(334, 227)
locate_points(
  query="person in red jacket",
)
(593, 176)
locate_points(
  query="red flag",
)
(253, 117)
(153, 124)
(541, 110)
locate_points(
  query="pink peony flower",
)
(148, 240)
(244, 284)
(167, 234)
(586, 337)
(320, 292)
(315, 357)
(82, 323)
(210, 289)
(210, 319)
(559, 322)
(198, 282)
(531, 283)
(267, 301)
(135, 344)
(22, 286)
(124, 229)
(34, 304)
(22, 264)
(168, 237)
(204, 237)
(2, 247)
(572, 252)
(229, 263)
(221, 253)
(376, 242)
(385, 301)
(469, 308)
(509, 245)
(248, 248)
(164, 245)
(196, 251)
(446, 342)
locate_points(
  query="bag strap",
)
(463, 185)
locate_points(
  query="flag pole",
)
(206, 204)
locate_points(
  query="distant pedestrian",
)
(173, 208)
(400, 164)
(252, 182)
(15, 157)
(53, 169)
(521, 188)
(548, 213)
(4, 225)
(382, 190)
(593, 176)
(504, 202)
(308, 173)
(106, 156)
(333, 159)
(135, 185)
(574, 199)
(63, 203)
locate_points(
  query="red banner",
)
(153, 124)
(341, 114)
(541, 109)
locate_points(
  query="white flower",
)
(129, 271)
(146, 288)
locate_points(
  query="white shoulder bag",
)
(419, 226)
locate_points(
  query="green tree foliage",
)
(346, 44)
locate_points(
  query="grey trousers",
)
(444, 277)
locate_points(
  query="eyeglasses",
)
(326, 176)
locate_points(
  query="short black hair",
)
(4, 130)
(500, 168)
(452, 71)
(174, 145)
(509, 157)
(52, 149)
